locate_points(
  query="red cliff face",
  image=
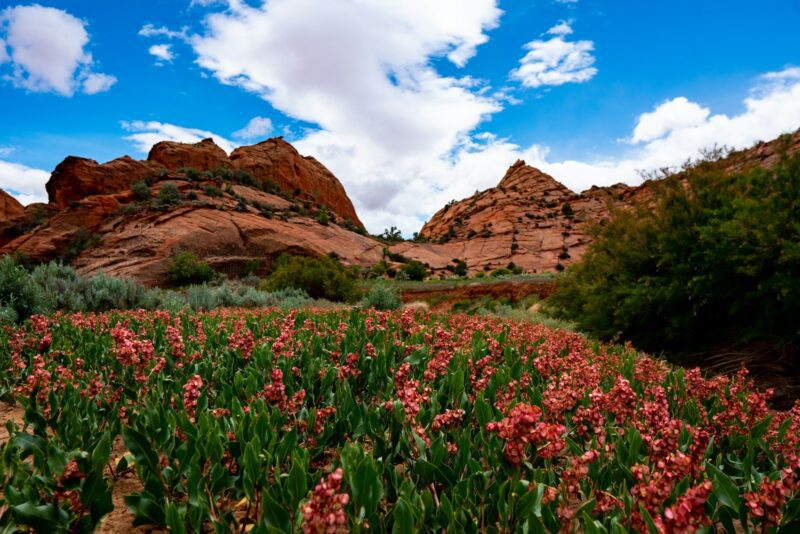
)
(203, 156)
(529, 219)
(77, 178)
(277, 161)
(272, 161)
(537, 223)
(10, 208)
(228, 219)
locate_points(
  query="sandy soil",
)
(120, 520)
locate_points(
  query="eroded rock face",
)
(203, 156)
(277, 161)
(273, 161)
(10, 208)
(141, 247)
(529, 219)
(77, 178)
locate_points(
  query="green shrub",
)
(321, 278)
(460, 268)
(382, 297)
(185, 268)
(80, 241)
(19, 292)
(714, 261)
(212, 190)
(323, 217)
(415, 270)
(168, 195)
(379, 269)
(141, 191)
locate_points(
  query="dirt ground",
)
(120, 520)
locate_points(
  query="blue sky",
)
(410, 103)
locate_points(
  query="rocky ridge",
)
(234, 212)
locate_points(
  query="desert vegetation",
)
(348, 420)
(711, 265)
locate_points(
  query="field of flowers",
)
(353, 420)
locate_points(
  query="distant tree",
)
(415, 270)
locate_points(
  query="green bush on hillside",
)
(714, 261)
(415, 270)
(141, 190)
(321, 278)
(185, 268)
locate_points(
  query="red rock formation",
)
(10, 208)
(77, 178)
(228, 229)
(529, 219)
(277, 161)
(537, 223)
(203, 156)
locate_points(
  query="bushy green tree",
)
(185, 268)
(321, 278)
(713, 259)
(415, 270)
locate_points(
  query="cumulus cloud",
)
(556, 61)
(770, 110)
(383, 114)
(402, 136)
(671, 115)
(3, 52)
(162, 52)
(256, 128)
(145, 134)
(98, 83)
(25, 183)
(47, 51)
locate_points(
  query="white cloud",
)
(770, 110)
(400, 135)
(562, 28)
(3, 52)
(149, 30)
(384, 115)
(6, 151)
(146, 134)
(47, 51)
(26, 184)
(98, 83)
(672, 115)
(257, 127)
(556, 61)
(162, 52)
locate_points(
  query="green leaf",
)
(41, 518)
(724, 489)
(296, 483)
(141, 449)
(174, 520)
(146, 511)
(651, 526)
(403, 518)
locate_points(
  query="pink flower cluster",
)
(191, 392)
(324, 512)
(522, 427)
